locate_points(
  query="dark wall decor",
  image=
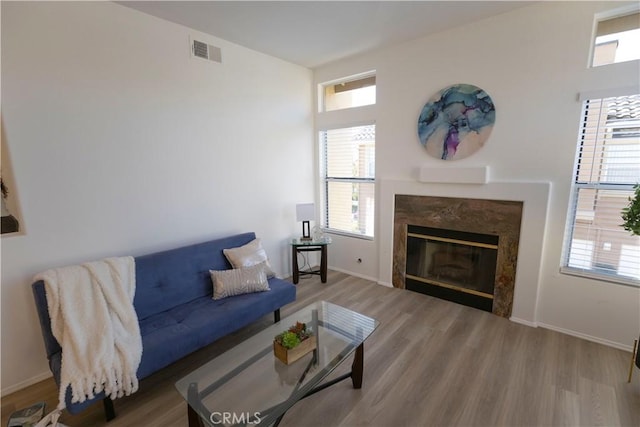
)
(10, 223)
(10, 213)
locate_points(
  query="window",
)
(608, 165)
(617, 40)
(349, 178)
(354, 92)
(347, 143)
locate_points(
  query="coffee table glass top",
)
(323, 241)
(249, 385)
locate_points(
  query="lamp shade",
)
(305, 212)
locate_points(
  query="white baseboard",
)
(351, 273)
(26, 383)
(591, 338)
(524, 322)
(580, 335)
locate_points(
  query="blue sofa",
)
(175, 309)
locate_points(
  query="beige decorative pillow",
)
(227, 283)
(249, 255)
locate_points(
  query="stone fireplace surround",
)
(535, 198)
(494, 217)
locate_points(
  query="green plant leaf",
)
(290, 340)
(631, 214)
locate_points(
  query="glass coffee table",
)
(248, 385)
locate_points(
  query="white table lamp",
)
(305, 212)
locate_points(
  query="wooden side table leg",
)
(294, 265)
(323, 264)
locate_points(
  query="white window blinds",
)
(349, 178)
(608, 165)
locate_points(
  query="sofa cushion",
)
(238, 281)
(177, 276)
(169, 336)
(249, 255)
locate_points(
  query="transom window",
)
(354, 92)
(617, 40)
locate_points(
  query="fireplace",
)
(453, 265)
(462, 250)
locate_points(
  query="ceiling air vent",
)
(206, 51)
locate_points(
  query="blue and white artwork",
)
(456, 122)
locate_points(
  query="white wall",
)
(121, 143)
(532, 62)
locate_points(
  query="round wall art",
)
(456, 122)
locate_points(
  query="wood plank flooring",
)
(430, 363)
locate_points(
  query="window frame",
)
(362, 115)
(326, 179)
(322, 102)
(609, 15)
(600, 184)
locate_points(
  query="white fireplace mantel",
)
(535, 198)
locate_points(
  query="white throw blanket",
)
(93, 319)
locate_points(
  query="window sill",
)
(618, 280)
(347, 234)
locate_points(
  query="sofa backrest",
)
(176, 276)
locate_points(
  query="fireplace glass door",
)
(453, 265)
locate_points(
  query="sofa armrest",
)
(51, 344)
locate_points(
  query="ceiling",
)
(313, 33)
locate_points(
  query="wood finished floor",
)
(430, 363)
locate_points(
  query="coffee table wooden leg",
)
(193, 398)
(193, 417)
(357, 367)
